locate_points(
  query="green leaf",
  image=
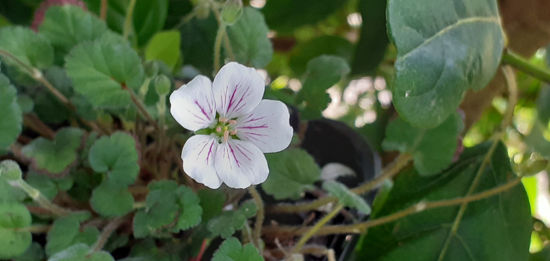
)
(65, 232)
(212, 202)
(33, 253)
(81, 252)
(438, 60)
(373, 39)
(68, 25)
(44, 184)
(303, 52)
(149, 18)
(117, 156)
(103, 69)
(322, 73)
(13, 243)
(232, 250)
(432, 150)
(12, 118)
(57, 156)
(28, 46)
(346, 196)
(168, 208)
(197, 47)
(293, 169)
(112, 199)
(504, 220)
(226, 224)
(164, 46)
(191, 210)
(543, 104)
(287, 15)
(248, 37)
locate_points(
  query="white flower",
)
(234, 127)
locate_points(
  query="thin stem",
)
(226, 43)
(103, 10)
(106, 233)
(259, 216)
(388, 172)
(34, 123)
(141, 107)
(217, 47)
(310, 233)
(417, 208)
(525, 66)
(128, 20)
(39, 198)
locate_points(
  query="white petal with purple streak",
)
(198, 157)
(192, 105)
(267, 127)
(240, 164)
(237, 90)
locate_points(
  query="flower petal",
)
(192, 105)
(268, 126)
(237, 89)
(240, 164)
(198, 160)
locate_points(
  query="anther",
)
(232, 122)
(225, 136)
(223, 120)
(218, 129)
(233, 132)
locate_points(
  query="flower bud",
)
(232, 11)
(10, 170)
(151, 68)
(162, 85)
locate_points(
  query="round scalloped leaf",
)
(117, 156)
(81, 252)
(432, 150)
(232, 250)
(68, 25)
(29, 47)
(346, 196)
(13, 243)
(112, 200)
(293, 169)
(249, 39)
(10, 125)
(191, 210)
(57, 156)
(444, 48)
(102, 70)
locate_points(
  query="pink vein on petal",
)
(231, 99)
(242, 152)
(234, 156)
(202, 149)
(202, 110)
(209, 151)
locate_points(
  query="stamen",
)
(223, 120)
(218, 129)
(232, 122)
(233, 132)
(225, 136)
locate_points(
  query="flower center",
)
(225, 128)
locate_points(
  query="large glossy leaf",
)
(165, 47)
(197, 44)
(302, 53)
(149, 17)
(445, 47)
(496, 228)
(10, 125)
(68, 25)
(101, 70)
(249, 40)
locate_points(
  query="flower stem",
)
(103, 10)
(257, 236)
(507, 120)
(417, 208)
(391, 170)
(525, 66)
(141, 107)
(106, 233)
(310, 233)
(39, 198)
(218, 47)
(128, 20)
